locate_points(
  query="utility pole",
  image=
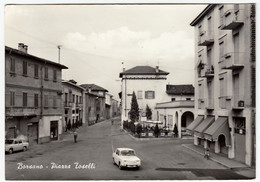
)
(59, 46)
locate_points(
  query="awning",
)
(194, 124)
(198, 131)
(219, 127)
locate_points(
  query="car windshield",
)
(9, 141)
(127, 153)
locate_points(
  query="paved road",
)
(161, 158)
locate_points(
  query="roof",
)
(180, 89)
(202, 14)
(93, 87)
(125, 149)
(73, 84)
(21, 53)
(143, 70)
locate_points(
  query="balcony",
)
(209, 103)
(232, 60)
(207, 71)
(67, 104)
(238, 102)
(206, 38)
(79, 105)
(232, 19)
(20, 111)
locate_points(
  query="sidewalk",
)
(238, 167)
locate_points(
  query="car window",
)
(117, 152)
(127, 153)
(9, 141)
(20, 142)
(16, 142)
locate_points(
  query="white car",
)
(15, 144)
(125, 157)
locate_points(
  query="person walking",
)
(75, 134)
(112, 121)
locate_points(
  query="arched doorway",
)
(186, 119)
(222, 144)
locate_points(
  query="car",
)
(126, 157)
(14, 144)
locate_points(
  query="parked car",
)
(15, 144)
(126, 157)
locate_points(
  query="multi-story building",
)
(225, 80)
(33, 90)
(108, 104)
(115, 108)
(147, 83)
(72, 104)
(94, 103)
(178, 108)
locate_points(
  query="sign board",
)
(143, 118)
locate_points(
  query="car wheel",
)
(10, 151)
(138, 167)
(24, 148)
(119, 166)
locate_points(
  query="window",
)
(54, 102)
(55, 75)
(80, 99)
(221, 14)
(45, 100)
(77, 100)
(149, 94)
(24, 99)
(36, 71)
(24, 68)
(12, 98)
(46, 76)
(173, 99)
(240, 125)
(139, 94)
(12, 66)
(36, 100)
(66, 97)
(188, 98)
(73, 98)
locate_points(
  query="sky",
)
(96, 39)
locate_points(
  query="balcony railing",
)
(67, 104)
(79, 105)
(206, 38)
(20, 111)
(207, 71)
(232, 60)
(232, 19)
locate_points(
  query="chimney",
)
(157, 69)
(89, 89)
(22, 47)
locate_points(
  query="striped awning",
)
(219, 127)
(194, 124)
(199, 130)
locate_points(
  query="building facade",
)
(147, 83)
(33, 90)
(73, 104)
(95, 105)
(178, 109)
(225, 80)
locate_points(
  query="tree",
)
(175, 130)
(134, 111)
(148, 112)
(156, 131)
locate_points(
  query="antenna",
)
(59, 46)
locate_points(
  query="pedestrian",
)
(112, 121)
(75, 136)
(206, 153)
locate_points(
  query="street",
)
(91, 158)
